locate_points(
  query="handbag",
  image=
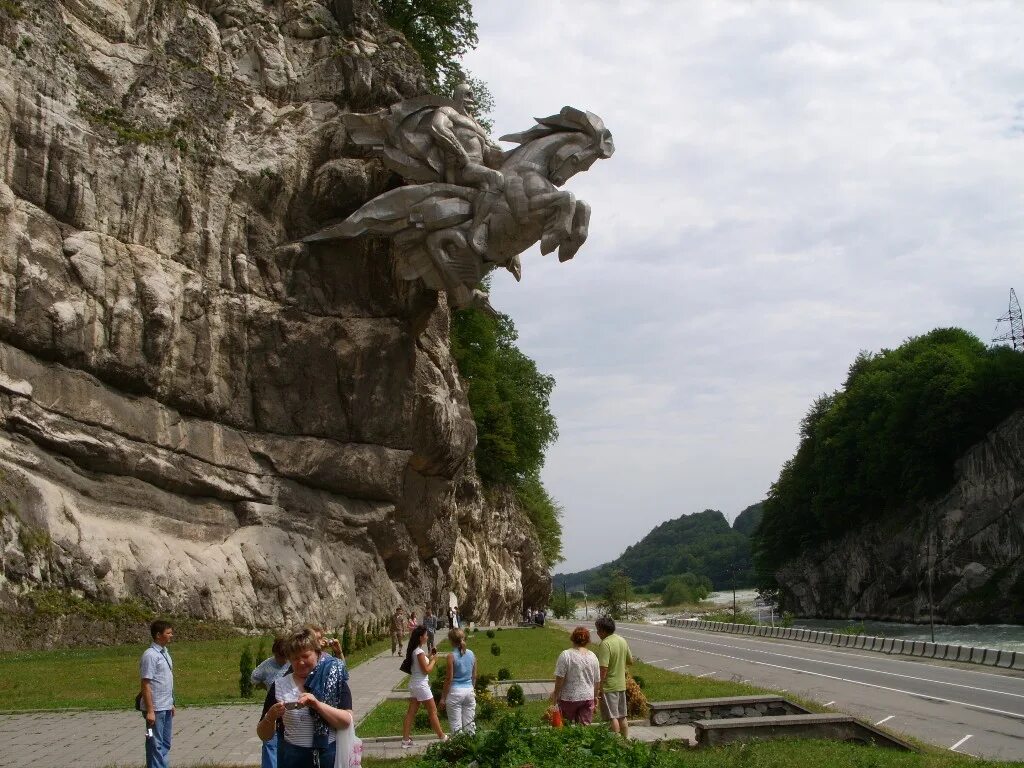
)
(140, 703)
(349, 750)
(406, 665)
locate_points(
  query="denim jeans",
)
(268, 758)
(158, 746)
(290, 756)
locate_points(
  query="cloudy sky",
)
(792, 183)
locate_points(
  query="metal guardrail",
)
(989, 657)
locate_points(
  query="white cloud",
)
(792, 183)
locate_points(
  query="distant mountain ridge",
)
(702, 543)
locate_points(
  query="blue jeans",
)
(158, 746)
(269, 756)
(290, 756)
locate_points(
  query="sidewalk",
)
(202, 735)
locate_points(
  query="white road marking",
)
(706, 674)
(885, 719)
(965, 738)
(656, 661)
(1017, 715)
(851, 666)
(828, 704)
(679, 667)
(775, 642)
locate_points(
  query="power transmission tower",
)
(1015, 336)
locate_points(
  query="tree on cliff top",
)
(887, 440)
(440, 31)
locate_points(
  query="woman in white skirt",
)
(459, 695)
(421, 665)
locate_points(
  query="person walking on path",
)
(459, 695)
(156, 671)
(577, 680)
(419, 665)
(397, 631)
(613, 657)
(263, 677)
(306, 708)
(430, 622)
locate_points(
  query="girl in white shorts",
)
(419, 684)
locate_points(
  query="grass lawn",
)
(528, 654)
(205, 672)
(386, 719)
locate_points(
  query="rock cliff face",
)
(192, 411)
(974, 537)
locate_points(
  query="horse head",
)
(563, 144)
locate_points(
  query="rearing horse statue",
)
(479, 207)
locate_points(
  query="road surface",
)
(972, 710)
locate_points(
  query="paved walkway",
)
(223, 735)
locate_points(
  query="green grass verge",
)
(205, 672)
(386, 719)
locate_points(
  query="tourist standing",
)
(264, 676)
(430, 622)
(397, 631)
(418, 665)
(156, 671)
(459, 695)
(306, 707)
(613, 656)
(413, 621)
(577, 680)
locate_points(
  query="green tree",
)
(617, 596)
(562, 604)
(440, 31)
(887, 441)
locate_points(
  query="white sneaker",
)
(406, 743)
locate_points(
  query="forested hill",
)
(701, 544)
(875, 461)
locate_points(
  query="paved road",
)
(951, 705)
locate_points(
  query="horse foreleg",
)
(578, 236)
(559, 226)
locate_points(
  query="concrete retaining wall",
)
(989, 657)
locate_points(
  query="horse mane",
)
(569, 119)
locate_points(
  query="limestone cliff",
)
(194, 412)
(974, 536)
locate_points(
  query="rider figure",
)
(471, 159)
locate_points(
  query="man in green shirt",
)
(613, 656)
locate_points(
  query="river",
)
(1003, 636)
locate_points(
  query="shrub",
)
(636, 701)
(483, 682)
(422, 719)
(490, 633)
(504, 674)
(639, 681)
(488, 706)
(495, 649)
(513, 742)
(245, 668)
(515, 697)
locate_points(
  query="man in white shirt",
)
(156, 670)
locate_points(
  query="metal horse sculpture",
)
(479, 207)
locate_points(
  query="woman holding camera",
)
(306, 707)
(419, 665)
